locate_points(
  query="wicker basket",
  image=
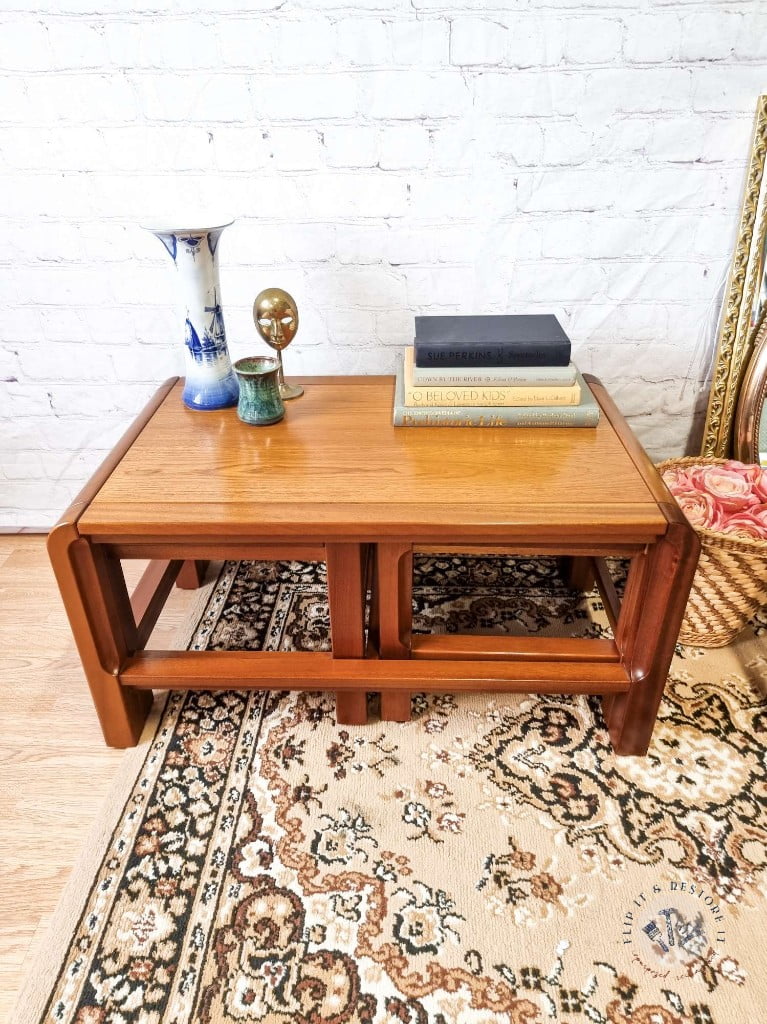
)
(730, 583)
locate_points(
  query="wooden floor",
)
(54, 768)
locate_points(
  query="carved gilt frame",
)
(740, 317)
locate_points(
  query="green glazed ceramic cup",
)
(260, 402)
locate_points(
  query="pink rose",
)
(759, 514)
(749, 470)
(730, 487)
(700, 509)
(756, 476)
(747, 525)
(760, 485)
(677, 480)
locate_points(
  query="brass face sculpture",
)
(276, 318)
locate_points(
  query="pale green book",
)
(585, 414)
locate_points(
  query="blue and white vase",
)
(211, 383)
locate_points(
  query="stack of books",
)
(491, 371)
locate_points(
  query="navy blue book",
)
(498, 340)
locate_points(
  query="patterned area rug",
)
(489, 862)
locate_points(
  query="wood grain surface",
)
(336, 462)
(225, 670)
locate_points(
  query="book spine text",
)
(419, 397)
(432, 354)
(496, 377)
(566, 416)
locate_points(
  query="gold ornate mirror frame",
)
(745, 302)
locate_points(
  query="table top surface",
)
(336, 467)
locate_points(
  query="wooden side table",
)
(334, 481)
(127, 511)
(631, 670)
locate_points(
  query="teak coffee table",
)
(334, 481)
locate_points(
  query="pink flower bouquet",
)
(727, 497)
(726, 503)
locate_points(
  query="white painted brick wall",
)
(384, 158)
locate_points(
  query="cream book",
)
(421, 397)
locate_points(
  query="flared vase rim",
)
(165, 229)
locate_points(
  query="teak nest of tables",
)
(335, 481)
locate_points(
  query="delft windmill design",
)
(213, 341)
(215, 335)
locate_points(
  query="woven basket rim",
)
(723, 540)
